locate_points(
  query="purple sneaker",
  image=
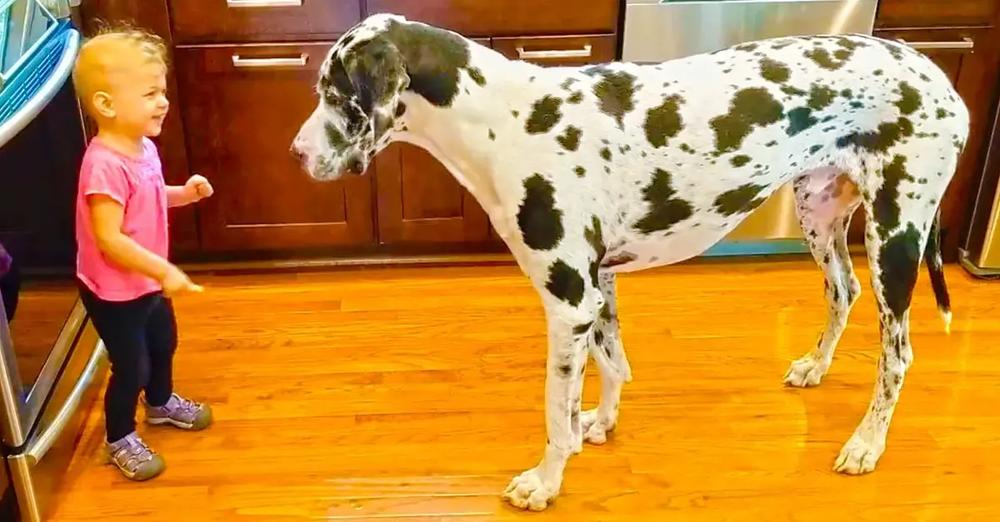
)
(182, 413)
(134, 458)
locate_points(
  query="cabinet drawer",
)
(196, 21)
(935, 13)
(558, 50)
(508, 18)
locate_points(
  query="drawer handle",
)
(570, 53)
(964, 43)
(264, 3)
(298, 61)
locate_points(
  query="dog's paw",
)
(529, 490)
(858, 456)
(595, 430)
(806, 371)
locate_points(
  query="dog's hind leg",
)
(901, 202)
(825, 202)
(572, 305)
(608, 351)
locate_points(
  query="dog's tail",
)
(935, 268)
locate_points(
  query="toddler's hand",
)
(198, 187)
(177, 282)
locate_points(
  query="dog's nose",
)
(296, 153)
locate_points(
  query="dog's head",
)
(359, 86)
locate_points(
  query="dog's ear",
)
(378, 74)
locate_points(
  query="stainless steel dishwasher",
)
(660, 30)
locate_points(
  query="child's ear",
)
(103, 104)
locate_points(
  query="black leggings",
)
(140, 337)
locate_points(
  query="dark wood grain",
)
(199, 21)
(508, 18)
(240, 125)
(935, 13)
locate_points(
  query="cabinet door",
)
(967, 57)
(242, 106)
(420, 203)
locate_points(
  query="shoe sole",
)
(159, 421)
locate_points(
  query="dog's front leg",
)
(568, 343)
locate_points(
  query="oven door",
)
(50, 355)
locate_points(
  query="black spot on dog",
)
(857, 105)
(539, 219)
(599, 337)
(335, 138)
(792, 91)
(606, 311)
(400, 109)
(740, 160)
(570, 138)
(887, 135)
(877, 72)
(823, 59)
(565, 370)
(477, 76)
(664, 210)
(565, 283)
(664, 122)
(580, 171)
(814, 149)
(614, 93)
(515, 113)
(910, 100)
(595, 237)
(820, 97)
(886, 205)
(606, 154)
(575, 98)
(581, 329)
(687, 148)
(749, 107)
(942, 113)
(747, 47)
(847, 93)
(800, 119)
(771, 144)
(567, 83)
(898, 262)
(739, 199)
(493, 135)
(620, 259)
(774, 71)
(544, 115)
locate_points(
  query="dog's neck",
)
(468, 135)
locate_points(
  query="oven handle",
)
(41, 445)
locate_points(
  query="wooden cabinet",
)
(969, 56)
(242, 106)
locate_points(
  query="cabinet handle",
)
(264, 3)
(964, 43)
(571, 53)
(298, 61)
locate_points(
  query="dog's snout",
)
(296, 153)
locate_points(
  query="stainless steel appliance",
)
(659, 30)
(50, 355)
(980, 254)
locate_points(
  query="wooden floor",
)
(415, 394)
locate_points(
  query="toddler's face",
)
(140, 99)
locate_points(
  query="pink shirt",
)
(136, 183)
